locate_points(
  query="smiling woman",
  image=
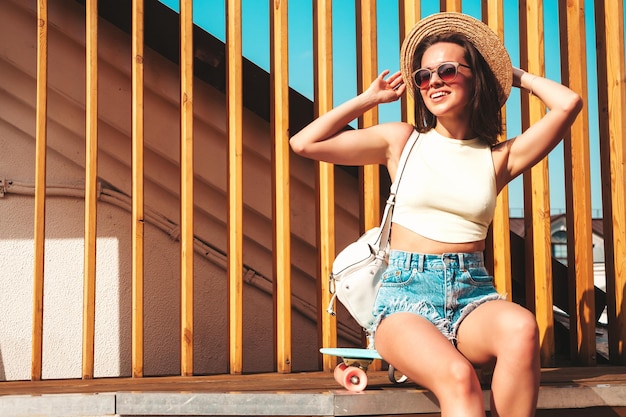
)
(437, 313)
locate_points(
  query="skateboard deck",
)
(351, 373)
(352, 353)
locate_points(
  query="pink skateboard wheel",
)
(354, 379)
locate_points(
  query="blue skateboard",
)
(351, 373)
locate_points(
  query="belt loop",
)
(420, 263)
(407, 260)
(461, 261)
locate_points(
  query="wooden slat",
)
(234, 94)
(410, 12)
(500, 251)
(367, 71)
(450, 5)
(41, 136)
(280, 191)
(536, 189)
(536, 184)
(91, 174)
(137, 242)
(186, 185)
(578, 183)
(612, 128)
(367, 58)
(325, 178)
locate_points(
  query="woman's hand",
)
(386, 90)
(517, 77)
(523, 79)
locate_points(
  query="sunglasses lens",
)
(422, 78)
(447, 72)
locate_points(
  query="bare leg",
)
(505, 333)
(416, 347)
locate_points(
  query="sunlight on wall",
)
(62, 310)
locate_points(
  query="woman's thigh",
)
(496, 328)
(414, 346)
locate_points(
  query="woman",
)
(438, 313)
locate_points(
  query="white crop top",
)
(448, 189)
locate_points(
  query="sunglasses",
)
(446, 71)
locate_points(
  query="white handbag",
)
(357, 270)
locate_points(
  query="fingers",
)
(399, 89)
(383, 74)
(517, 77)
(385, 84)
(392, 77)
(395, 81)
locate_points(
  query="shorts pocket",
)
(396, 276)
(479, 277)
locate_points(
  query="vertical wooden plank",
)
(367, 63)
(499, 252)
(612, 127)
(279, 76)
(234, 94)
(536, 188)
(450, 5)
(525, 118)
(578, 183)
(410, 12)
(186, 185)
(137, 123)
(325, 178)
(500, 257)
(91, 174)
(41, 138)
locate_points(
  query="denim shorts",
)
(444, 289)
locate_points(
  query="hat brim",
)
(485, 40)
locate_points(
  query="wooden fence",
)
(611, 89)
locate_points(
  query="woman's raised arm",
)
(522, 152)
(325, 140)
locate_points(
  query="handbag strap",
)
(408, 147)
(385, 228)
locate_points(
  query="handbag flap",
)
(354, 254)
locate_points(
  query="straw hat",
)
(485, 40)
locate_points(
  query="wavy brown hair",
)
(485, 110)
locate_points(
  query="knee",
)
(523, 334)
(462, 378)
(526, 328)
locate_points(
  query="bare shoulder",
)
(396, 133)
